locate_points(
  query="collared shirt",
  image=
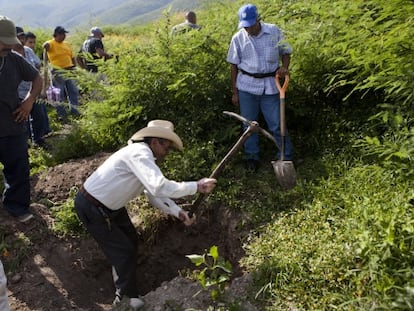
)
(32, 59)
(60, 54)
(258, 54)
(130, 171)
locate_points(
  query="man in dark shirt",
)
(93, 49)
(13, 116)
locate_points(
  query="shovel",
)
(253, 127)
(284, 170)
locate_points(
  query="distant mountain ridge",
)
(79, 13)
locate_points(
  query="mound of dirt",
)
(71, 273)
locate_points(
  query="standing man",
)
(40, 118)
(60, 56)
(38, 122)
(21, 35)
(254, 56)
(13, 116)
(132, 170)
(189, 24)
(93, 49)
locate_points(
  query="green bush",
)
(348, 248)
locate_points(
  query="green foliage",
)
(13, 248)
(76, 144)
(345, 246)
(393, 147)
(343, 238)
(66, 219)
(216, 272)
(40, 159)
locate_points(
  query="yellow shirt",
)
(60, 54)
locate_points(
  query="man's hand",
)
(183, 215)
(235, 99)
(282, 71)
(22, 112)
(206, 185)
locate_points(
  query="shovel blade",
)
(285, 174)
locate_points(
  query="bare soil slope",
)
(72, 274)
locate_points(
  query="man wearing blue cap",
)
(254, 55)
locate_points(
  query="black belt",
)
(258, 75)
(94, 201)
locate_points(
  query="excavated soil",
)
(71, 273)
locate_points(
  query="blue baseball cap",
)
(247, 15)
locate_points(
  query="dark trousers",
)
(119, 242)
(15, 159)
(39, 122)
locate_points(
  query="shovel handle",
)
(282, 92)
(282, 88)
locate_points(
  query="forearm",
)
(35, 90)
(286, 61)
(234, 71)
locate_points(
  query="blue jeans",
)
(15, 159)
(68, 88)
(269, 105)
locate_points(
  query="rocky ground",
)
(71, 273)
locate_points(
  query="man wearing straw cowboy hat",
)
(13, 116)
(129, 172)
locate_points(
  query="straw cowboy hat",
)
(160, 129)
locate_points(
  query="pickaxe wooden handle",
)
(252, 127)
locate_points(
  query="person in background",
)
(4, 299)
(129, 172)
(38, 123)
(254, 55)
(60, 56)
(40, 118)
(21, 35)
(189, 24)
(93, 49)
(14, 114)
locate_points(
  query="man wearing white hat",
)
(13, 126)
(129, 172)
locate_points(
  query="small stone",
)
(16, 278)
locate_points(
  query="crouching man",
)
(129, 172)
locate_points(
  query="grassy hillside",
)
(75, 13)
(343, 238)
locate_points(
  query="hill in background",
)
(80, 13)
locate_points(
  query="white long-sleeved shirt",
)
(130, 171)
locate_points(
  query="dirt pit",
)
(72, 273)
